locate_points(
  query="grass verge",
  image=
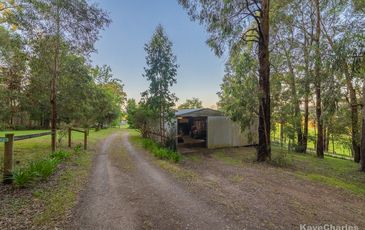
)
(153, 147)
(47, 204)
(339, 173)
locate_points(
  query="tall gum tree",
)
(161, 72)
(318, 81)
(232, 25)
(75, 22)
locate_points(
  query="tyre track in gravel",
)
(142, 197)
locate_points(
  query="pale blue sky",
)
(122, 47)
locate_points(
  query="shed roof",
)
(200, 112)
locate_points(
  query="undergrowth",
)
(160, 152)
(281, 160)
(39, 170)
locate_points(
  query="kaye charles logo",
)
(328, 227)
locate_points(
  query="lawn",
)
(340, 173)
(343, 174)
(47, 204)
(36, 148)
(341, 145)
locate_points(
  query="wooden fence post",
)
(69, 137)
(85, 139)
(8, 159)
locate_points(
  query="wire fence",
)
(342, 155)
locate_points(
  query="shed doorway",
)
(192, 132)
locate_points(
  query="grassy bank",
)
(340, 145)
(334, 172)
(47, 204)
(153, 147)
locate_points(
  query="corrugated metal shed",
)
(221, 131)
(201, 112)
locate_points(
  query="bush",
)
(39, 169)
(281, 160)
(78, 148)
(60, 155)
(160, 152)
(22, 177)
(44, 168)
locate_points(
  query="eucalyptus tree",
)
(74, 22)
(192, 103)
(232, 24)
(286, 40)
(131, 109)
(12, 73)
(112, 89)
(235, 95)
(161, 72)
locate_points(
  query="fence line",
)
(8, 141)
(314, 151)
(29, 136)
(85, 132)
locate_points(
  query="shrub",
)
(60, 155)
(78, 148)
(44, 168)
(281, 160)
(160, 152)
(22, 177)
(39, 169)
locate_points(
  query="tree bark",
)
(354, 118)
(54, 83)
(281, 133)
(264, 148)
(318, 81)
(362, 149)
(306, 95)
(296, 102)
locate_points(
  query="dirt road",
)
(128, 190)
(138, 197)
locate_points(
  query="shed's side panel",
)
(222, 132)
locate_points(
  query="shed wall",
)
(223, 132)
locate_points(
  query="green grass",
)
(50, 201)
(335, 172)
(58, 201)
(29, 150)
(342, 145)
(40, 169)
(154, 148)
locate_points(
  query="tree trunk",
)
(324, 138)
(264, 148)
(281, 133)
(320, 150)
(354, 118)
(296, 102)
(362, 149)
(306, 94)
(54, 82)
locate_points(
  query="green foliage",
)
(160, 152)
(131, 110)
(60, 155)
(161, 72)
(235, 97)
(39, 170)
(69, 32)
(42, 169)
(144, 119)
(193, 103)
(22, 177)
(281, 160)
(78, 148)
